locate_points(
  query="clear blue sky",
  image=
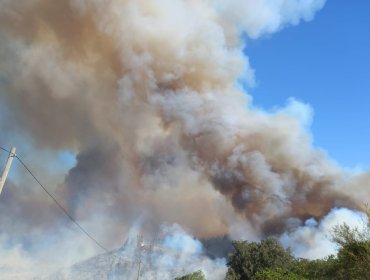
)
(326, 63)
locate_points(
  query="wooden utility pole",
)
(7, 168)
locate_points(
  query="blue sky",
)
(326, 63)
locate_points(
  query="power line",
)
(1, 148)
(58, 204)
(62, 208)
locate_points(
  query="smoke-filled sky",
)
(133, 110)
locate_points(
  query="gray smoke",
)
(148, 96)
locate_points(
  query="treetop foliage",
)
(268, 260)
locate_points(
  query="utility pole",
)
(7, 168)
(138, 270)
(139, 246)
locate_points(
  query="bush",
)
(278, 274)
(193, 276)
(251, 258)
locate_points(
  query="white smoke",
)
(259, 17)
(314, 240)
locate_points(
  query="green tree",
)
(192, 276)
(249, 258)
(316, 269)
(353, 259)
(278, 274)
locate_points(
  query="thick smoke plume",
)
(148, 96)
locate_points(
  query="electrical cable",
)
(62, 208)
(1, 148)
(57, 203)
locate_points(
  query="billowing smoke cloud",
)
(313, 240)
(148, 95)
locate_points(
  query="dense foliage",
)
(268, 260)
(252, 257)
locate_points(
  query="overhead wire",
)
(57, 203)
(1, 148)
